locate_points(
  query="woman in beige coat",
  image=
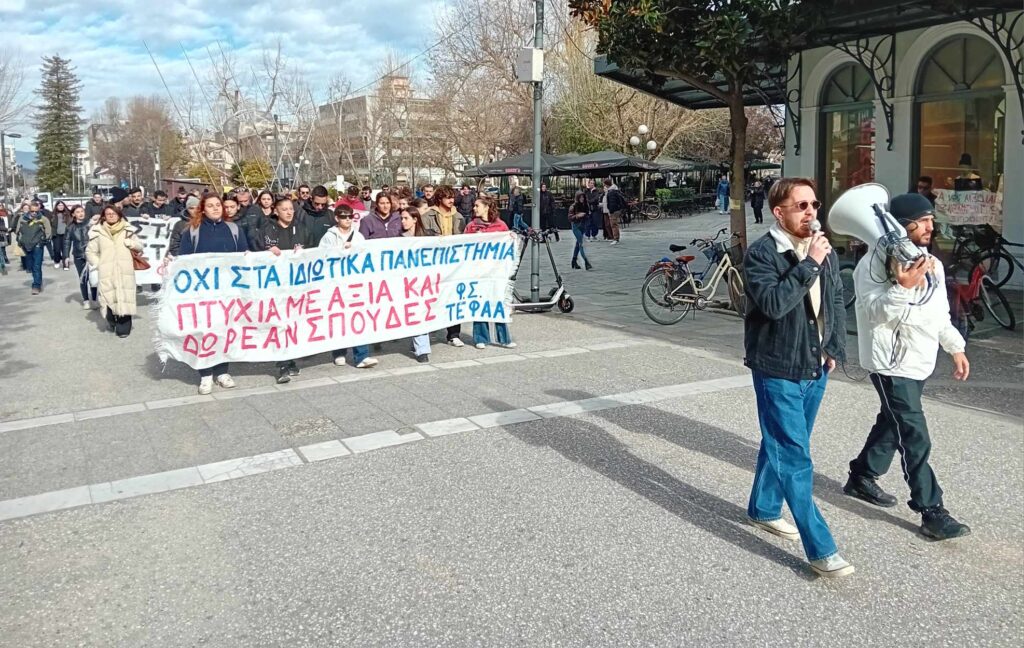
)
(110, 251)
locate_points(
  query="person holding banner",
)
(109, 250)
(286, 232)
(207, 232)
(412, 225)
(486, 219)
(344, 235)
(75, 243)
(442, 219)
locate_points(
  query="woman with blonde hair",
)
(110, 248)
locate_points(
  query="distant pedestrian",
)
(516, 204)
(76, 242)
(722, 194)
(596, 216)
(757, 201)
(58, 225)
(464, 203)
(547, 208)
(33, 232)
(613, 203)
(94, 207)
(110, 251)
(578, 214)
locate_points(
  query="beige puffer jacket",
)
(112, 256)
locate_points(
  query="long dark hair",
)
(415, 213)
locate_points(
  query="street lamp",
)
(3, 155)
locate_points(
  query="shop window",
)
(848, 131)
(961, 115)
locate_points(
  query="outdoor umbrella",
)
(517, 165)
(603, 162)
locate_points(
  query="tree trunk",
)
(737, 188)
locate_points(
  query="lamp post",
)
(651, 146)
(3, 155)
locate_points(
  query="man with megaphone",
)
(902, 319)
(794, 332)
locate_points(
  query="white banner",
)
(155, 234)
(258, 307)
(969, 208)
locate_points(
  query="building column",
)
(1013, 171)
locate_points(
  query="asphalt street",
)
(587, 488)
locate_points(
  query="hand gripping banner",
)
(257, 307)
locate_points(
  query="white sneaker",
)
(205, 385)
(510, 345)
(226, 381)
(86, 305)
(367, 363)
(339, 361)
(832, 567)
(480, 345)
(456, 342)
(56, 265)
(615, 242)
(779, 527)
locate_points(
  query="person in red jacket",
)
(487, 219)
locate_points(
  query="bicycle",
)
(671, 289)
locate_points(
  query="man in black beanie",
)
(903, 319)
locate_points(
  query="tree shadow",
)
(590, 446)
(729, 447)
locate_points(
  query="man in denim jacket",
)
(794, 332)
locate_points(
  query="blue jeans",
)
(723, 203)
(786, 410)
(482, 333)
(359, 353)
(577, 231)
(518, 222)
(35, 264)
(421, 345)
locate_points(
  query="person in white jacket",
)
(903, 319)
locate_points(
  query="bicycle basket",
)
(710, 253)
(736, 254)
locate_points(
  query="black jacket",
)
(131, 211)
(516, 203)
(76, 239)
(284, 238)
(547, 203)
(780, 332)
(251, 222)
(165, 211)
(616, 201)
(92, 209)
(317, 224)
(464, 204)
(174, 246)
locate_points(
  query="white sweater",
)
(887, 313)
(334, 238)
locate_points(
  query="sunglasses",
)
(804, 204)
(343, 217)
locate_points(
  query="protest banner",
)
(155, 234)
(258, 307)
(969, 208)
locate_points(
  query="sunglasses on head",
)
(804, 204)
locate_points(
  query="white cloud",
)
(107, 41)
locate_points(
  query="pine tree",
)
(58, 122)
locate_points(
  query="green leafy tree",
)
(58, 122)
(252, 173)
(719, 46)
(204, 173)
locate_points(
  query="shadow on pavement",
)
(728, 447)
(598, 450)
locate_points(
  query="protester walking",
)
(579, 211)
(94, 207)
(794, 333)
(383, 222)
(442, 219)
(76, 242)
(487, 219)
(255, 217)
(33, 232)
(174, 245)
(109, 250)
(319, 216)
(412, 225)
(516, 204)
(207, 232)
(58, 218)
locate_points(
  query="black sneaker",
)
(938, 524)
(423, 359)
(865, 488)
(283, 377)
(293, 370)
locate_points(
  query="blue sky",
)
(105, 39)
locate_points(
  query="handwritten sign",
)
(155, 234)
(969, 208)
(259, 307)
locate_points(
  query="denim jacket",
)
(780, 330)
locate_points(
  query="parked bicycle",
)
(984, 248)
(966, 301)
(671, 289)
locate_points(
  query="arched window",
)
(848, 131)
(961, 115)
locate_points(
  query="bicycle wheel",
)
(996, 303)
(654, 297)
(652, 211)
(998, 265)
(737, 297)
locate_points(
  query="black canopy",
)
(517, 165)
(603, 162)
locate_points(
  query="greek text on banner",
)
(258, 307)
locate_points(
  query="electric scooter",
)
(558, 295)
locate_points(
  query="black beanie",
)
(907, 208)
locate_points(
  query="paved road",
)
(586, 488)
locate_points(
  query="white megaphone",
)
(863, 213)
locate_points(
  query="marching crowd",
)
(100, 242)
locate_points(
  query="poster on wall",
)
(969, 208)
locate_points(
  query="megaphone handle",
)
(881, 213)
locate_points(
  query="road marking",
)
(289, 458)
(297, 385)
